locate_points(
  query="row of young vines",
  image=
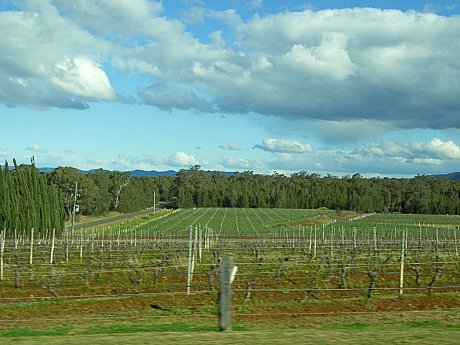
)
(363, 257)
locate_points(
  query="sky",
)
(327, 87)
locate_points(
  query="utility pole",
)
(74, 209)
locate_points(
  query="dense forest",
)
(421, 194)
(103, 191)
(29, 199)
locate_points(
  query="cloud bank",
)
(336, 65)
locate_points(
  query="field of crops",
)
(289, 261)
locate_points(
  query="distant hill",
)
(137, 173)
(455, 176)
(155, 173)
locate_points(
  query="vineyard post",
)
(200, 244)
(401, 271)
(189, 271)
(16, 240)
(81, 244)
(2, 249)
(92, 241)
(437, 240)
(354, 238)
(102, 239)
(226, 275)
(66, 246)
(195, 249)
(52, 246)
(374, 230)
(31, 254)
(455, 241)
(342, 240)
(324, 240)
(419, 237)
(332, 243)
(314, 244)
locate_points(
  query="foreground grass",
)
(414, 332)
(424, 327)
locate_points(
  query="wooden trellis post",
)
(401, 269)
(226, 275)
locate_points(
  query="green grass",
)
(116, 328)
(426, 331)
(170, 327)
(35, 332)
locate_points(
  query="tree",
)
(119, 181)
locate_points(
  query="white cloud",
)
(430, 161)
(82, 77)
(181, 160)
(434, 151)
(360, 64)
(42, 63)
(242, 164)
(35, 148)
(329, 58)
(284, 146)
(436, 148)
(388, 149)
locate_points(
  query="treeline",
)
(100, 191)
(28, 200)
(421, 194)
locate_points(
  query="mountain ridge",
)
(453, 176)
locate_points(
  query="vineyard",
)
(289, 261)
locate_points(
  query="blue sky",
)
(324, 86)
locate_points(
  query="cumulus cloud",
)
(83, 77)
(435, 149)
(242, 164)
(181, 159)
(42, 65)
(360, 64)
(35, 148)
(284, 146)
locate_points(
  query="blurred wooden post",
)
(2, 249)
(401, 270)
(189, 270)
(226, 274)
(53, 238)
